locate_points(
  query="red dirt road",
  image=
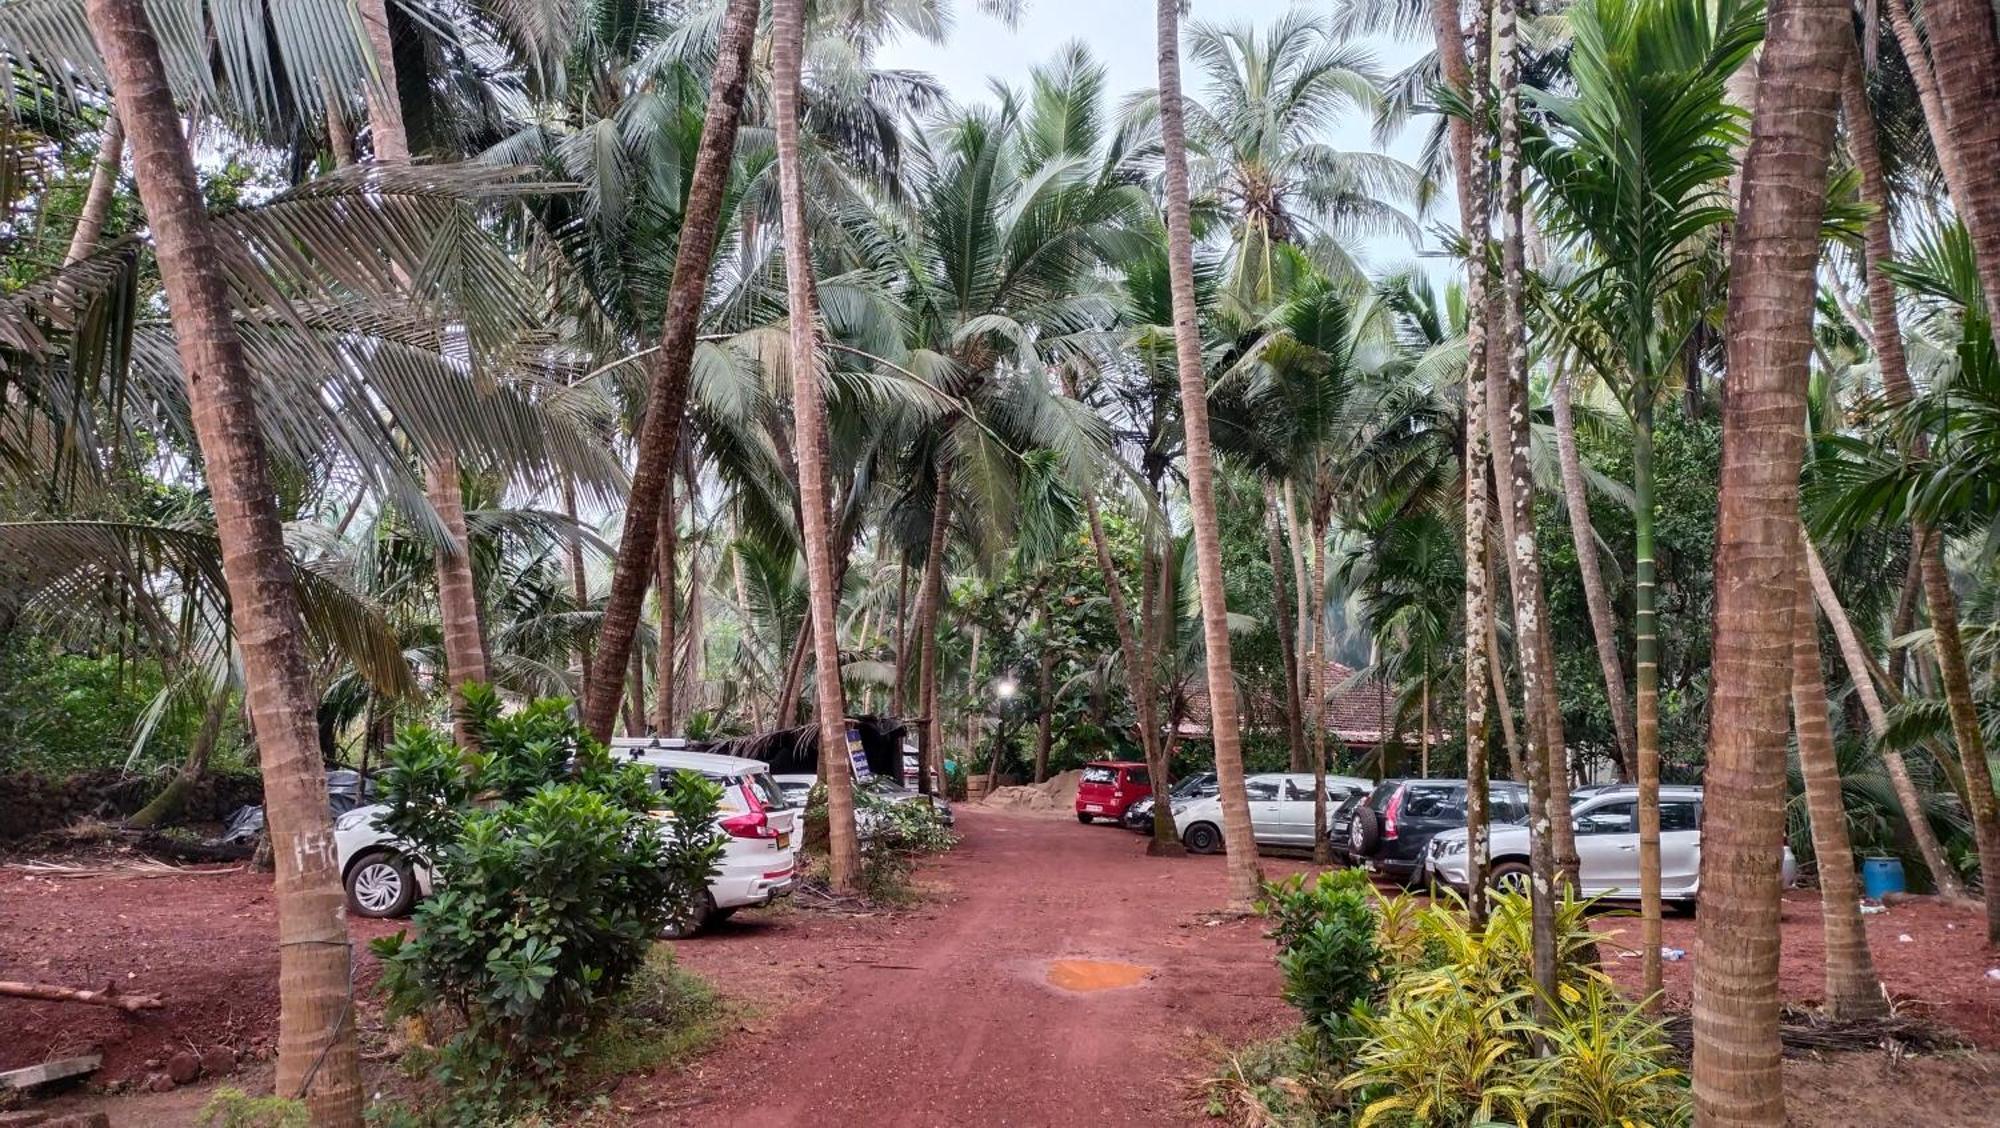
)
(951, 1018)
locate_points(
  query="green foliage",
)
(231, 1107)
(553, 879)
(1455, 1040)
(62, 713)
(1325, 931)
(666, 1015)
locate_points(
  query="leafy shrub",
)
(553, 881)
(231, 1107)
(1326, 935)
(1455, 1041)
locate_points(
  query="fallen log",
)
(105, 998)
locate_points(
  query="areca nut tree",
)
(317, 1056)
(1769, 329)
(1633, 172)
(809, 432)
(1244, 877)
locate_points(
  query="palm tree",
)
(809, 431)
(1243, 868)
(1551, 853)
(317, 1057)
(1853, 991)
(660, 437)
(1769, 330)
(1632, 169)
(1965, 60)
(1886, 335)
(1256, 146)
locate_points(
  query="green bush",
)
(1325, 930)
(553, 880)
(1455, 1039)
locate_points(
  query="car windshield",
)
(1378, 799)
(1097, 773)
(1194, 785)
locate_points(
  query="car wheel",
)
(1366, 834)
(1202, 838)
(696, 918)
(1083, 818)
(1510, 877)
(381, 885)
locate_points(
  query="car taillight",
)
(1389, 815)
(750, 824)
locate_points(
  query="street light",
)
(1006, 688)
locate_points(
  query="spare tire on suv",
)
(1366, 835)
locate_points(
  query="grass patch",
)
(666, 1016)
(1278, 1081)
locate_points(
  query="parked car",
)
(1108, 787)
(345, 790)
(1390, 830)
(1139, 816)
(1607, 849)
(1281, 811)
(797, 789)
(758, 862)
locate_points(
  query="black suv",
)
(1390, 829)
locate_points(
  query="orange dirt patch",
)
(1095, 975)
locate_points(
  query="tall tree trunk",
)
(1301, 645)
(1769, 330)
(788, 19)
(1503, 704)
(458, 593)
(1965, 62)
(1295, 731)
(930, 601)
(316, 1031)
(1322, 508)
(1853, 991)
(688, 682)
(1244, 875)
(659, 436)
(666, 584)
(902, 638)
(169, 801)
(635, 696)
(1045, 719)
(339, 134)
(458, 597)
(1138, 682)
(579, 584)
(1596, 597)
(1645, 630)
(1860, 671)
(1474, 209)
(103, 188)
(1886, 334)
(1544, 753)
(793, 683)
(1952, 671)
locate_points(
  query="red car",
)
(1110, 786)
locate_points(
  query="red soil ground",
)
(944, 1014)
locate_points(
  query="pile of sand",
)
(1057, 793)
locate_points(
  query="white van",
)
(759, 860)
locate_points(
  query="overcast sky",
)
(1120, 34)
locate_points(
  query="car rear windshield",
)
(1378, 799)
(1100, 775)
(766, 790)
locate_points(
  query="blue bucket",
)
(1880, 876)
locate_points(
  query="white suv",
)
(759, 859)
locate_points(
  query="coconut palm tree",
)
(1776, 248)
(317, 1058)
(1964, 38)
(659, 439)
(809, 430)
(1256, 147)
(1243, 868)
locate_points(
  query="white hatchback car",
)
(1607, 848)
(759, 859)
(1281, 810)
